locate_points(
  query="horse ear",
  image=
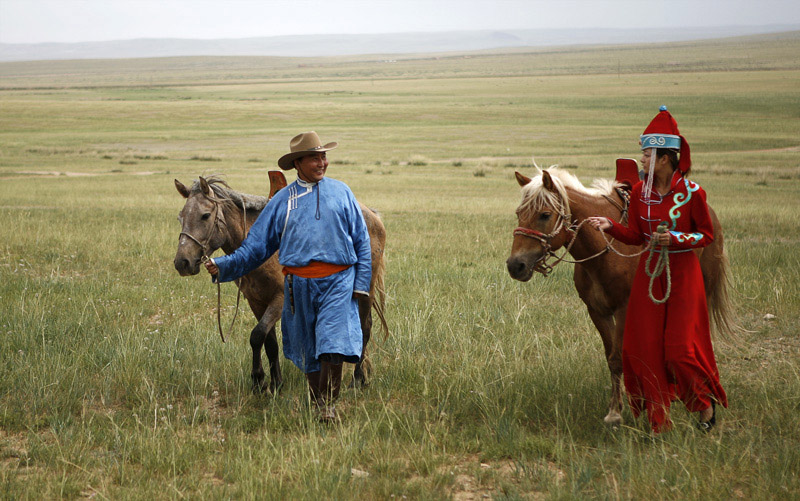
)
(547, 181)
(181, 189)
(522, 180)
(205, 187)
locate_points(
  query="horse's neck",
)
(588, 241)
(234, 227)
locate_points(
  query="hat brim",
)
(286, 162)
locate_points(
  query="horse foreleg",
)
(615, 366)
(612, 344)
(362, 368)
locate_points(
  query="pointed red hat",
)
(663, 133)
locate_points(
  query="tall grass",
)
(113, 382)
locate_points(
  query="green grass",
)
(113, 381)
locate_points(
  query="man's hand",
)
(211, 267)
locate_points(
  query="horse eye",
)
(205, 216)
(544, 216)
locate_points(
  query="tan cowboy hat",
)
(302, 145)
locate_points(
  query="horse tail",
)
(716, 274)
(379, 301)
(719, 301)
(377, 233)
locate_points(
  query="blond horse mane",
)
(535, 196)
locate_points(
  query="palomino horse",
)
(217, 217)
(554, 206)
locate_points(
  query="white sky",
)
(32, 21)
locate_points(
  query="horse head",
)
(202, 226)
(543, 225)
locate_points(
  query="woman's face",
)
(645, 161)
(662, 164)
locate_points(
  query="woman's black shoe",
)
(706, 426)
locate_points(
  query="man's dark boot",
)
(330, 382)
(313, 386)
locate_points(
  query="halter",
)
(541, 265)
(204, 246)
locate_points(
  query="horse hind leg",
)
(362, 368)
(264, 335)
(257, 337)
(272, 351)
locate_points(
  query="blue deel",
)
(324, 320)
(306, 222)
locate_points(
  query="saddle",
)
(627, 176)
(277, 181)
(627, 172)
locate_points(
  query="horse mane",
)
(224, 192)
(535, 196)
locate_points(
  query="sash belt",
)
(315, 269)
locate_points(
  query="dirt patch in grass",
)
(474, 479)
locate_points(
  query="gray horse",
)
(217, 217)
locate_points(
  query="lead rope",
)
(219, 286)
(238, 287)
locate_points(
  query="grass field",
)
(113, 381)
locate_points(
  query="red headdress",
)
(663, 133)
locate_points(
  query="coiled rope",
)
(661, 264)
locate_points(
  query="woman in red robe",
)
(667, 352)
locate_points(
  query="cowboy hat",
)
(302, 145)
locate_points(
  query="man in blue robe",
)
(317, 227)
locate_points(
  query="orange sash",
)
(315, 269)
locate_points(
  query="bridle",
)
(204, 247)
(541, 265)
(545, 239)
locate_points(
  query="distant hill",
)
(390, 43)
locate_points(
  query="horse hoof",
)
(613, 419)
(358, 383)
(275, 388)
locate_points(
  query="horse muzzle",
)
(519, 268)
(186, 267)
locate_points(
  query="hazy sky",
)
(30, 21)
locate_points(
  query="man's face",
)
(311, 168)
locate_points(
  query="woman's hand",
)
(599, 223)
(211, 267)
(663, 239)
